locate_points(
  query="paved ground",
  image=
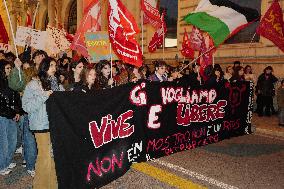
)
(250, 162)
(267, 125)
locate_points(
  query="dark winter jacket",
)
(10, 102)
(265, 85)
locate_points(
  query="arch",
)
(45, 20)
(70, 19)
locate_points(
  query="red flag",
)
(122, 28)
(91, 22)
(186, 50)
(196, 38)
(86, 4)
(69, 37)
(207, 59)
(157, 39)
(151, 13)
(3, 33)
(271, 25)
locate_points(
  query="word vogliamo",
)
(187, 110)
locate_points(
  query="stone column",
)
(79, 11)
(59, 14)
(51, 13)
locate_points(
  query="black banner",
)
(96, 137)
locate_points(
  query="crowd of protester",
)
(26, 83)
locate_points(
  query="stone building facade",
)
(68, 13)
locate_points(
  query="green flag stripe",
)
(217, 29)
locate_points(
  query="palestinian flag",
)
(221, 18)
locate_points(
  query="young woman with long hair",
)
(75, 78)
(89, 84)
(34, 100)
(238, 74)
(103, 79)
(216, 78)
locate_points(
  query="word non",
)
(104, 165)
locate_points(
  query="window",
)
(246, 34)
(171, 8)
(72, 18)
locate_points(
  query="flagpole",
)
(194, 60)
(213, 60)
(110, 62)
(12, 33)
(198, 74)
(142, 28)
(249, 47)
(34, 19)
(163, 42)
(35, 14)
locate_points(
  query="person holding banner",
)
(10, 110)
(144, 70)
(134, 74)
(216, 78)
(104, 79)
(122, 77)
(195, 79)
(239, 74)
(34, 100)
(89, 84)
(63, 78)
(229, 73)
(160, 71)
(75, 78)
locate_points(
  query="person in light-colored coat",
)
(34, 100)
